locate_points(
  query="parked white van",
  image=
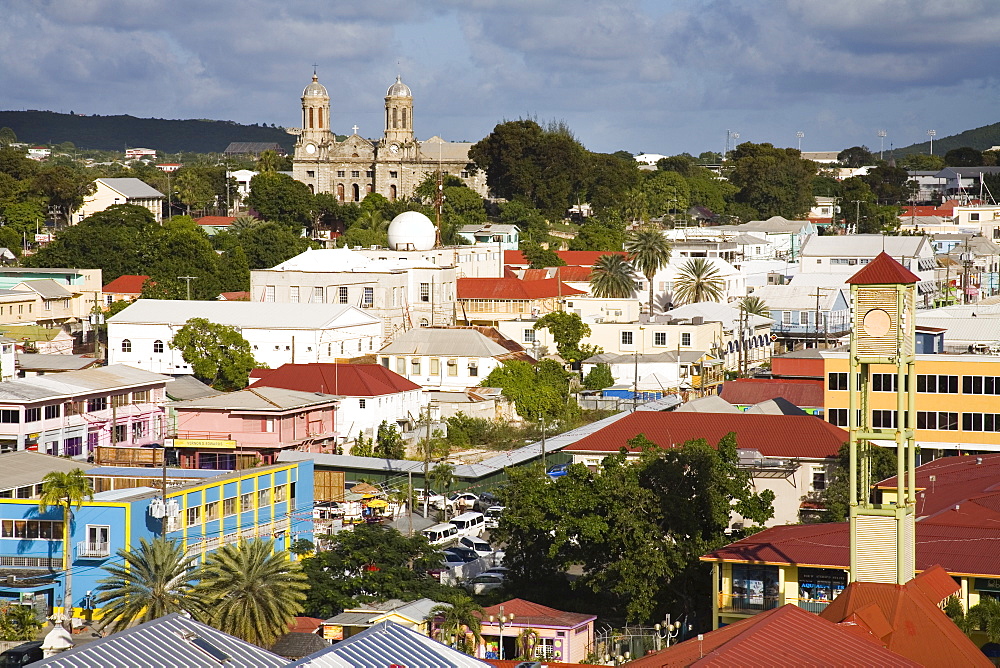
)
(470, 524)
(440, 534)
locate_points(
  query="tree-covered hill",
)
(980, 139)
(115, 133)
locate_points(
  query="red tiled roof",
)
(352, 380)
(241, 296)
(956, 479)
(513, 288)
(217, 221)
(497, 663)
(747, 391)
(129, 284)
(514, 257)
(785, 636)
(771, 435)
(528, 614)
(575, 274)
(945, 209)
(917, 628)
(304, 624)
(883, 269)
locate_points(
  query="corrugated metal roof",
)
(335, 260)
(785, 636)
(388, 644)
(75, 383)
(129, 284)
(883, 269)
(24, 467)
(132, 188)
(443, 343)
(247, 315)
(513, 289)
(528, 614)
(48, 288)
(862, 245)
(749, 391)
(52, 362)
(272, 399)
(771, 435)
(349, 380)
(167, 642)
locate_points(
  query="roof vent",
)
(979, 460)
(957, 506)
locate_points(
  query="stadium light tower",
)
(798, 136)
(881, 143)
(931, 134)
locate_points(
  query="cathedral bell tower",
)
(315, 119)
(398, 116)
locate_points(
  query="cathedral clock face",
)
(394, 148)
(310, 148)
(877, 323)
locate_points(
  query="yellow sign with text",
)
(203, 444)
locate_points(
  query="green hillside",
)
(979, 139)
(115, 133)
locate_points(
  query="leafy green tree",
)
(599, 378)
(683, 164)
(890, 185)
(836, 497)
(612, 277)
(218, 354)
(856, 156)
(389, 442)
(705, 189)
(194, 189)
(608, 177)
(530, 222)
(265, 245)
(252, 591)
(268, 162)
(963, 157)
(538, 257)
(604, 232)
(922, 162)
(282, 199)
(15, 163)
(666, 192)
(442, 476)
(699, 280)
(458, 624)
(234, 271)
(64, 187)
(567, 330)
(67, 490)
(18, 622)
(538, 391)
(772, 181)
(7, 137)
(154, 580)
(649, 251)
(371, 563)
(186, 252)
(363, 446)
(635, 564)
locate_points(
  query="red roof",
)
(907, 619)
(946, 209)
(304, 624)
(513, 288)
(956, 479)
(882, 270)
(241, 296)
(528, 614)
(351, 380)
(748, 391)
(129, 284)
(771, 435)
(785, 636)
(217, 221)
(575, 274)
(514, 663)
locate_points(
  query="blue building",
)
(206, 509)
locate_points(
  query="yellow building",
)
(958, 400)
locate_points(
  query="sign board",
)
(203, 444)
(987, 584)
(333, 632)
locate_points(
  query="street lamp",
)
(932, 134)
(799, 135)
(881, 143)
(666, 633)
(502, 620)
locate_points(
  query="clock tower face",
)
(310, 148)
(394, 148)
(876, 322)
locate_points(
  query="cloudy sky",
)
(659, 76)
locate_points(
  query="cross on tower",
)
(314, 68)
(355, 128)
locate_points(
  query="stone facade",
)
(392, 166)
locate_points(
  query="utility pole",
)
(427, 460)
(188, 279)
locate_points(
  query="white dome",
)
(411, 230)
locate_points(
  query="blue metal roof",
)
(167, 642)
(387, 644)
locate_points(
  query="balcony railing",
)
(750, 605)
(87, 550)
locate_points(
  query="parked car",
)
(477, 545)
(493, 516)
(497, 570)
(463, 554)
(484, 582)
(456, 500)
(486, 500)
(22, 655)
(557, 470)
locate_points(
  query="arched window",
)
(126, 346)
(395, 117)
(356, 191)
(312, 189)
(157, 346)
(310, 117)
(368, 188)
(424, 323)
(392, 193)
(340, 192)
(404, 118)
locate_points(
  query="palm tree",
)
(373, 221)
(154, 580)
(18, 622)
(68, 490)
(251, 591)
(699, 281)
(755, 306)
(648, 250)
(985, 616)
(612, 277)
(458, 621)
(267, 162)
(245, 222)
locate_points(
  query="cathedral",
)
(392, 166)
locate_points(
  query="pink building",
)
(256, 423)
(565, 637)
(72, 413)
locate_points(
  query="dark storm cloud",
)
(664, 76)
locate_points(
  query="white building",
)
(122, 191)
(449, 358)
(847, 254)
(402, 291)
(278, 334)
